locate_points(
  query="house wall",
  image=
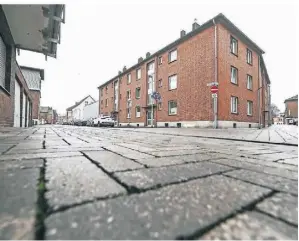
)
(77, 112)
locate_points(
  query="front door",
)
(149, 121)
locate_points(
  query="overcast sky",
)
(98, 39)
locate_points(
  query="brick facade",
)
(35, 103)
(195, 68)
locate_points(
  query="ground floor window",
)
(234, 104)
(249, 107)
(138, 112)
(172, 107)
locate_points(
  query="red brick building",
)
(291, 110)
(216, 51)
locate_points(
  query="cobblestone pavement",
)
(281, 134)
(66, 182)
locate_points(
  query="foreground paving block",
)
(177, 152)
(292, 161)
(18, 198)
(21, 164)
(281, 205)
(166, 161)
(38, 155)
(252, 226)
(75, 179)
(259, 168)
(136, 155)
(165, 213)
(111, 161)
(147, 178)
(274, 182)
(276, 156)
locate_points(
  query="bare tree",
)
(274, 110)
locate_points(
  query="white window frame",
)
(129, 78)
(249, 82)
(138, 113)
(234, 81)
(234, 104)
(128, 112)
(138, 74)
(233, 45)
(129, 96)
(160, 106)
(172, 55)
(106, 102)
(160, 83)
(160, 60)
(138, 88)
(170, 80)
(169, 109)
(249, 107)
(249, 56)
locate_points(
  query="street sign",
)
(212, 83)
(156, 95)
(214, 89)
(214, 95)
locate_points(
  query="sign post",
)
(214, 91)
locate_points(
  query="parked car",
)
(89, 122)
(77, 123)
(103, 121)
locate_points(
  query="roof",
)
(79, 103)
(295, 97)
(41, 71)
(220, 18)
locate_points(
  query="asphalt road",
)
(67, 182)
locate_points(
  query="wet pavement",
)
(67, 182)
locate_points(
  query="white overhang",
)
(35, 27)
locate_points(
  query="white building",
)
(91, 111)
(75, 112)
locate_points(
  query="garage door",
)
(17, 113)
(2, 62)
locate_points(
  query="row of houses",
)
(33, 28)
(172, 87)
(290, 115)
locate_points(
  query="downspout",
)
(258, 95)
(156, 87)
(215, 74)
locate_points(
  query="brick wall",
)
(293, 107)
(35, 103)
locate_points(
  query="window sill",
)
(234, 54)
(5, 90)
(234, 83)
(171, 114)
(172, 89)
(137, 98)
(249, 115)
(138, 79)
(249, 64)
(235, 113)
(138, 116)
(169, 62)
(250, 89)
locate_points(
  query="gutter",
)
(215, 75)
(258, 94)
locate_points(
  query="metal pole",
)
(152, 112)
(215, 112)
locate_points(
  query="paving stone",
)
(75, 179)
(259, 168)
(281, 205)
(21, 164)
(275, 156)
(252, 226)
(291, 161)
(38, 155)
(18, 203)
(165, 213)
(112, 162)
(166, 161)
(176, 152)
(147, 178)
(127, 152)
(274, 182)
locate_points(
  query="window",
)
(160, 83)
(249, 82)
(106, 89)
(172, 107)
(128, 94)
(249, 56)
(160, 60)
(172, 82)
(138, 74)
(233, 46)
(172, 56)
(86, 102)
(138, 113)
(160, 106)
(234, 75)
(234, 104)
(129, 79)
(112, 85)
(106, 102)
(129, 113)
(102, 92)
(101, 102)
(137, 93)
(249, 107)
(120, 96)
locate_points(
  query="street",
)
(69, 182)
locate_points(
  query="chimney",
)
(140, 59)
(124, 68)
(119, 72)
(195, 25)
(183, 33)
(148, 54)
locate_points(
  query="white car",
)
(103, 121)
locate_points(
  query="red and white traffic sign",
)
(214, 89)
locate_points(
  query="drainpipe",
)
(215, 74)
